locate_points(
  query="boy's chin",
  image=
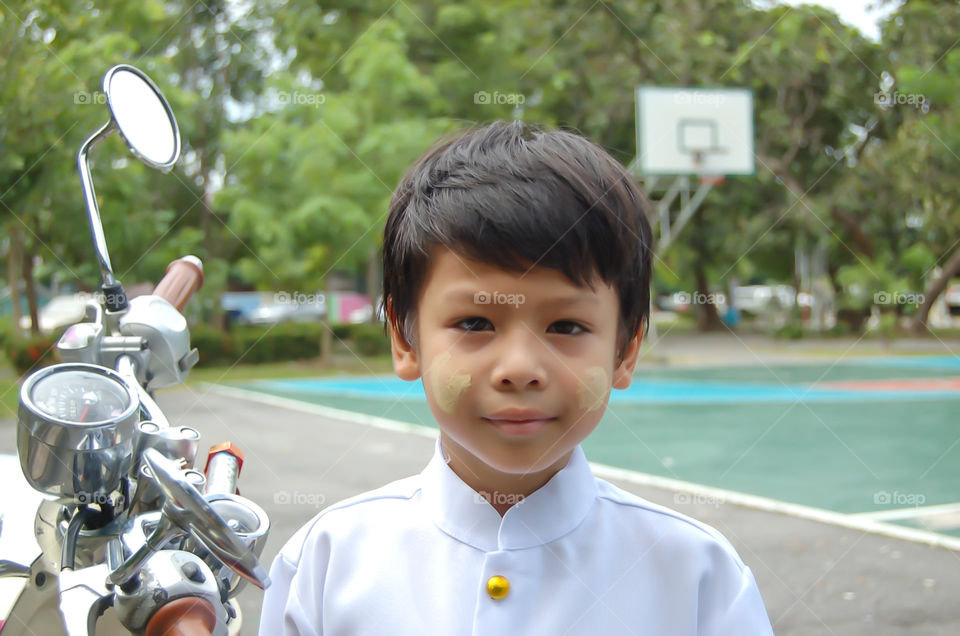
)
(520, 460)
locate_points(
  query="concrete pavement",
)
(815, 578)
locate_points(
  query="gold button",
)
(498, 587)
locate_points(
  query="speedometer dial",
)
(80, 396)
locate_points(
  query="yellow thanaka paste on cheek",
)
(593, 388)
(447, 386)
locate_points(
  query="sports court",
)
(874, 436)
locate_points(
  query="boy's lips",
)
(519, 415)
(520, 425)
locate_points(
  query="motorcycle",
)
(113, 529)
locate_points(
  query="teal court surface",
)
(875, 437)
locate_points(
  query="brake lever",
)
(84, 597)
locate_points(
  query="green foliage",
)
(290, 341)
(370, 340)
(215, 346)
(282, 342)
(793, 330)
(298, 119)
(28, 354)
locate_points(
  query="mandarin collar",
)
(547, 514)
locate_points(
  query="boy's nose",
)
(520, 360)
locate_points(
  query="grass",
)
(339, 365)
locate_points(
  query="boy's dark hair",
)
(512, 195)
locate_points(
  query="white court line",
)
(852, 521)
(909, 513)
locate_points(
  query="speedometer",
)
(80, 396)
(75, 429)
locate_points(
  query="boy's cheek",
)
(447, 383)
(592, 389)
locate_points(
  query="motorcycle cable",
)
(79, 519)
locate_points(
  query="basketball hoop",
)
(691, 134)
(694, 131)
(698, 156)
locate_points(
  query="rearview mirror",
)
(142, 116)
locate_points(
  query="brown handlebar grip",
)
(184, 276)
(187, 616)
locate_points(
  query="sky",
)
(855, 12)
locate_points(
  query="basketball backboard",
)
(694, 131)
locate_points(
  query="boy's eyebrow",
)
(465, 294)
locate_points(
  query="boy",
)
(517, 268)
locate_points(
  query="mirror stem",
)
(90, 198)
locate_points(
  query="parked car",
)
(759, 299)
(278, 313)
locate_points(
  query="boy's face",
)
(491, 340)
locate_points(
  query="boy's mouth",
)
(520, 426)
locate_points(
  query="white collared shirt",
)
(581, 557)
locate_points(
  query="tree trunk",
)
(13, 273)
(373, 282)
(707, 317)
(326, 336)
(31, 291)
(860, 238)
(934, 288)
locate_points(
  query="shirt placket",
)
(503, 593)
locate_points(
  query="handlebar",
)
(224, 462)
(187, 616)
(184, 276)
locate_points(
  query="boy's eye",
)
(569, 323)
(565, 325)
(472, 321)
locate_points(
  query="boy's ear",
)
(623, 374)
(406, 361)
